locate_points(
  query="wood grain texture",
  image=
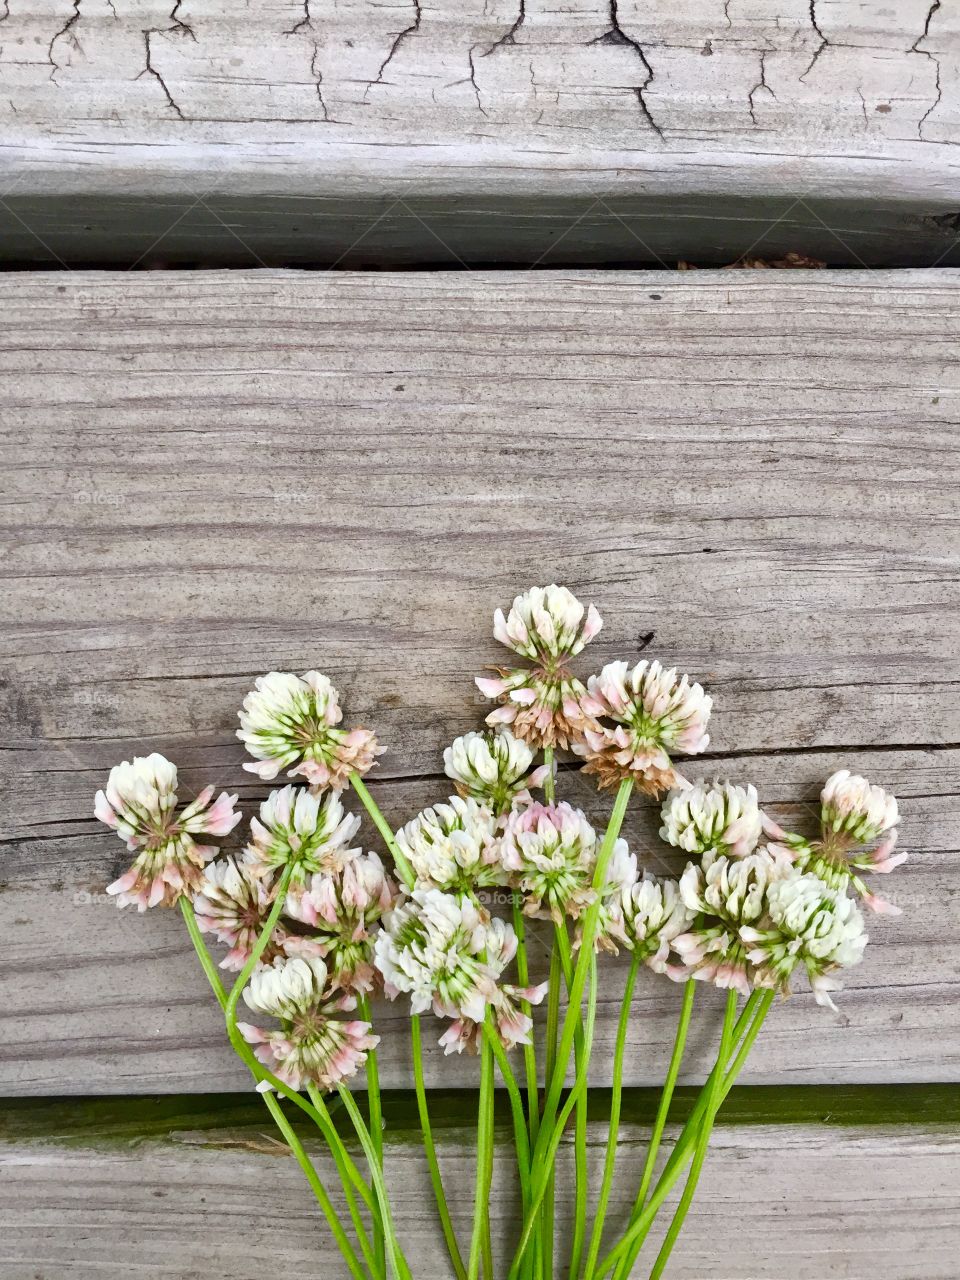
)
(795, 1202)
(210, 475)
(493, 131)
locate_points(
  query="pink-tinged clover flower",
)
(653, 914)
(344, 910)
(233, 904)
(542, 703)
(493, 768)
(140, 804)
(433, 946)
(550, 852)
(726, 893)
(292, 721)
(853, 815)
(298, 828)
(712, 817)
(806, 924)
(654, 713)
(452, 847)
(311, 1045)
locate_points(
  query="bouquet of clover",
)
(317, 927)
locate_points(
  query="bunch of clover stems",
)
(315, 926)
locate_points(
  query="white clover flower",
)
(452, 847)
(621, 876)
(140, 804)
(308, 831)
(806, 923)
(712, 817)
(432, 946)
(345, 910)
(731, 893)
(311, 1045)
(654, 713)
(546, 623)
(287, 720)
(551, 852)
(492, 768)
(853, 809)
(543, 703)
(233, 904)
(653, 913)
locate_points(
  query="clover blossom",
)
(306, 831)
(140, 804)
(621, 876)
(311, 1044)
(432, 947)
(653, 914)
(513, 1024)
(345, 910)
(654, 712)
(289, 720)
(492, 768)
(551, 852)
(730, 893)
(712, 817)
(806, 924)
(452, 847)
(233, 904)
(853, 814)
(542, 703)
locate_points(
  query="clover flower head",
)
(312, 1045)
(233, 904)
(550, 852)
(730, 893)
(621, 876)
(305, 830)
(808, 924)
(140, 804)
(653, 914)
(546, 624)
(856, 811)
(493, 768)
(292, 721)
(654, 712)
(452, 847)
(432, 946)
(345, 909)
(543, 704)
(712, 817)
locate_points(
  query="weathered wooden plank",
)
(212, 475)
(779, 1202)
(494, 132)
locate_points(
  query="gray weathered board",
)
(208, 475)
(776, 1202)
(611, 131)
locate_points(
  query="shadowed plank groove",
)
(213, 474)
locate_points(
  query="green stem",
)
(529, 1050)
(713, 1101)
(521, 1140)
(553, 1031)
(543, 1168)
(259, 947)
(610, 1159)
(342, 1160)
(479, 1246)
(349, 1254)
(398, 1263)
(669, 1084)
(376, 1119)
(636, 1232)
(272, 1104)
(433, 1165)
(329, 1131)
(585, 959)
(548, 784)
(580, 1125)
(404, 870)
